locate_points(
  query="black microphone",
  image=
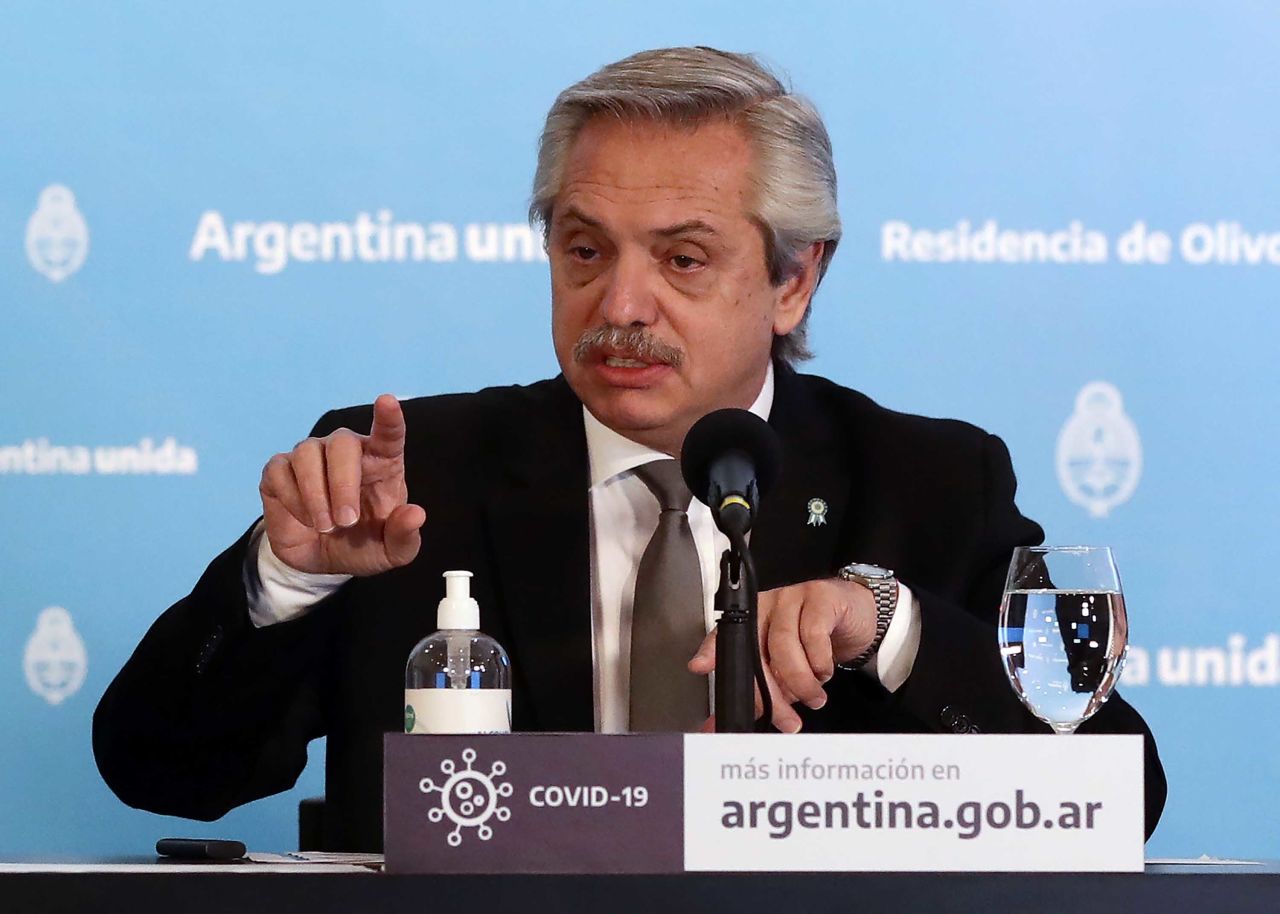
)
(729, 460)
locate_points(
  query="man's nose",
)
(628, 297)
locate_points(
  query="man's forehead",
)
(571, 214)
(693, 178)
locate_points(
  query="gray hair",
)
(795, 178)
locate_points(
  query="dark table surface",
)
(244, 888)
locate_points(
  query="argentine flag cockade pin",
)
(817, 512)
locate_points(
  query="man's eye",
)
(684, 262)
(583, 252)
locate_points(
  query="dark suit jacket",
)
(210, 712)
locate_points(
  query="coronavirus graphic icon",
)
(469, 798)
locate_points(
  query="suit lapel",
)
(540, 527)
(792, 540)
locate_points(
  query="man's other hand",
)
(805, 630)
(339, 504)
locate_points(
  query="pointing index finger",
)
(386, 437)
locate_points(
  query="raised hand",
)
(339, 504)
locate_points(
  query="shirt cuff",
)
(276, 592)
(897, 655)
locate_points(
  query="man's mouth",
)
(614, 361)
(628, 369)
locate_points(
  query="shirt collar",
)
(611, 454)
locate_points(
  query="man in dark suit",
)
(689, 207)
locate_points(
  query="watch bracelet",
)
(885, 593)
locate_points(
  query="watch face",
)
(868, 571)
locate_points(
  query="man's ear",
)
(796, 291)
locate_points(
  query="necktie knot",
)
(665, 481)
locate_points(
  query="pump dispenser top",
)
(458, 610)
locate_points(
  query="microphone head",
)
(721, 432)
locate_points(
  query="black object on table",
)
(200, 849)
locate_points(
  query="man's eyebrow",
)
(574, 213)
(688, 227)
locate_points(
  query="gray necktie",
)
(667, 623)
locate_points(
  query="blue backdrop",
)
(994, 160)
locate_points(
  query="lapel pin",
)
(817, 512)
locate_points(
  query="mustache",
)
(627, 342)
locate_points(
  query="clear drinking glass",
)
(1063, 631)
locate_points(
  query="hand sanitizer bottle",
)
(458, 680)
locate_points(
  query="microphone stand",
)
(739, 670)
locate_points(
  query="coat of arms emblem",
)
(55, 660)
(1099, 457)
(57, 237)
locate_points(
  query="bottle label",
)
(457, 710)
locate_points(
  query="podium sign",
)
(533, 803)
(669, 803)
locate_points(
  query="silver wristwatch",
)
(884, 587)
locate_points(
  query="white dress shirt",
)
(624, 515)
